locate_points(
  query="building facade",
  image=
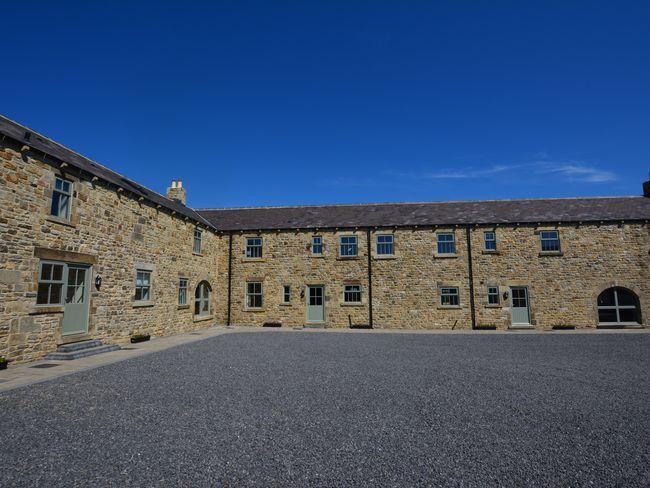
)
(87, 253)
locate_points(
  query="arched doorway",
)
(618, 306)
(202, 296)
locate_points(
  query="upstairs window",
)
(493, 295)
(182, 291)
(202, 298)
(317, 245)
(490, 239)
(198, 236)
(446, 243)
(142, 285)
(254, 295)
(348, 246)
(254, 247)
(449, 296)
(61, 198)
(50, 284)
(352, 294)
(550, 240)
(385, 245)
(286, 294)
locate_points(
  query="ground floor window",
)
(493, 295)
(50, 283)
(286, 294)
(142, 285)
(618, 306)
(202, 298)
(449, 296)
(182, 291)
(352, 294)
(254, 294)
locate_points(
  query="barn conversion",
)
(88, 254)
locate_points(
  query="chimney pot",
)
(177, 192)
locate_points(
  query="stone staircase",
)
(81, 349)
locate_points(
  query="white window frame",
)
(318, 245)
(445, 293)
(452, 243)
(352, 290)
(543, 240)
(250, 294)
(286, 294)
(493, 294)
(148, 287)
(183, 287)
(201, 300)
(348, 246)
(255, 248)
(492, 240)
(59, 194)
(198, 241)
(51, 282)
(380, 247)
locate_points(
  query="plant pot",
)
(140, 338)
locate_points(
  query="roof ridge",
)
(370, 204)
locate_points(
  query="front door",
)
(75, 312)
(519, 309)
(315, 304)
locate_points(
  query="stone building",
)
(86, 253)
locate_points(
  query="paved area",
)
(308, 408)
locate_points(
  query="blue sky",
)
(274, 102)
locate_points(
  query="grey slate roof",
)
(435, 213)
(41, 143)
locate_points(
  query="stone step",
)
(82, 353)
(314, 326)
(78, 346)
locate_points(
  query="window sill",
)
(201, 318)
(551, 253)
(445, 256)
(449, 307)
(253, 260)
(347, 258)
(143, 304)
(182, 307)
(384, 256)
(59, 220)
(197, 254)
(344, 304)
(45, 309)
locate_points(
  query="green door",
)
(519, 309)
(315, 304)
(75, 312)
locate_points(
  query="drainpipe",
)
(471, 276)
(229, 275)
(368, 239)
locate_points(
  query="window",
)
(550, 240)
(142, 285)
(493, 295)
(286, 294)
(61, 198)
(348, 245)
(317, 245)
(618, 306)
(449, 296)
(446, 243)
(490, 241)
(50, 284)
(198, 235)
(182, 291)
(352, 294)
(254, 295)
(254, 247)
(385, 244)
(202, 298)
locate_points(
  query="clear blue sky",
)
(274, 102)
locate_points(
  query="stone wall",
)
(112, 230)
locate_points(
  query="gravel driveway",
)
(333, 409)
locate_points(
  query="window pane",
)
(55, 293)
(628, 315)
(206, 291)
(42, 297)
(607, 315)
(606, 298)
(197, 307)
(54, 210)
(58, 183)
(145, 293)
(625, 297)
(138, 293)
(46, 271)
(64, 207)
(206, 306)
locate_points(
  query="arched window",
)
(618, 306)
(202, 298)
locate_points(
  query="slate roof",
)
(433, 213)
(34, 140)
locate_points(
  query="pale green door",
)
(520, 308)
(315, 304)
(75, 313)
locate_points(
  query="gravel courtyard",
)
(369, 409)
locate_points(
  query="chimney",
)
(177, 192)
(646, 188)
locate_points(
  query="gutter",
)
(229, 276)
(471, 276)
(368, 239)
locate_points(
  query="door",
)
(76, 300)
(519, 309)
(315, 304)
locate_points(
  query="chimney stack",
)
(646, 188)
(177, 192)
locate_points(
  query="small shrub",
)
(140, 338)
